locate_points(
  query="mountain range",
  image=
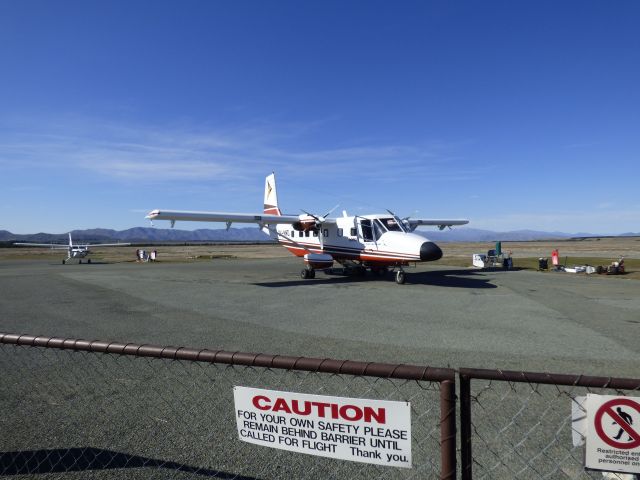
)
(253, 234)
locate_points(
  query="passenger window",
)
(315, 233)
(306, 233)
(354, 232)
(325, 233)
(339, 232)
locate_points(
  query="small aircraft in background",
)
(73, 251)
(378, 242)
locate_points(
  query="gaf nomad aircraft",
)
(377, 242)
(74, 251)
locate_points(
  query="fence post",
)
(466, 456)
(448, 429)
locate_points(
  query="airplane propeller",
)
(320, 220)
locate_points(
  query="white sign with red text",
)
(360, 430)
(613, 433)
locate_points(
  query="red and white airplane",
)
(378, 242)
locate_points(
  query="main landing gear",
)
(308, 273)
(380, 271)
(358, 270)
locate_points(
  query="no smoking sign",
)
(613, 433)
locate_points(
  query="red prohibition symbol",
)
(608, 408)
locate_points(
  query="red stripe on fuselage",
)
(300, 250)
(330, 248)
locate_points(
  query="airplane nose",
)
(429, 251)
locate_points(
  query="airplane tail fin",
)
(271, 196)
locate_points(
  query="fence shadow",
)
(32, 462)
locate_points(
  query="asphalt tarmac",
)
(86, 415)
(523, 320)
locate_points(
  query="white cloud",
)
(153, 154)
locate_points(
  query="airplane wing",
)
(105, 245)
(259, 218)
(58, 246)
(440, 223)
(55, 246)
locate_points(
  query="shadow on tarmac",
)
(31, 462)
(441, 278)
(75, 262)
(450, 278)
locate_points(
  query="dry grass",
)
(525, 254)
(597, 251)
(177, 253)
(605, 248)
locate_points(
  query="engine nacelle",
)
(305, 223)
(318, 260)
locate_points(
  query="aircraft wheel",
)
(89, 260)
(312, 274)
(304, 273)
(400, 277)
(64, 261)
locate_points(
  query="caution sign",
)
(370, 431)
(613, 433)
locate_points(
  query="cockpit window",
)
(378, 229)
(391, 224)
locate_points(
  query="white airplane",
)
(377, 242)
(74, 251)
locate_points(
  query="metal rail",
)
(324, 365)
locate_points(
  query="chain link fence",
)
(519, 424)
(76, 409)
(78, 413)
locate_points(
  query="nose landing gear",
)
(400, 277)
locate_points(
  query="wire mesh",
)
(71, 414)
(524, 430)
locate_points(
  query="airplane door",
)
(367, 234)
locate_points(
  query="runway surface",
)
(441, 317)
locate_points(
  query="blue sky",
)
(512, 114)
